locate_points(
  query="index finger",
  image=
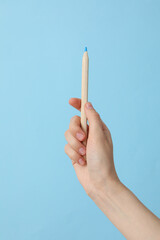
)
(76, 103)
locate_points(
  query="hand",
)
(100, 181)
(98, 170)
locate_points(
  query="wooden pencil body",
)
(84, 91)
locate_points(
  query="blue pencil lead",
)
(85, 49)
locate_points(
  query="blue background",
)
(41, 48)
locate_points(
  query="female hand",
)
(98, 170)
(100, 181)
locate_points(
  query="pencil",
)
(84, 91)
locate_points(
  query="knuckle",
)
(72, 118)
(75, 118)
(73, 156)
(97, 116)
(74, 126)
(65, 134)
(70, 152)
(65, 148)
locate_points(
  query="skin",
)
(99, 179)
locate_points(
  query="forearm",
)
(127, 213)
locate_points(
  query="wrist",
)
(109, 189)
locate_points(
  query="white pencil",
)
(84, 91)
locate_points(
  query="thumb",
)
(93, 117)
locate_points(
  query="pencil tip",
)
(85, 49)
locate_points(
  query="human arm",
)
(100, 181)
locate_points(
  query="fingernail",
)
(82, 151)
(81, 161)
(89, 105)
(79, 136)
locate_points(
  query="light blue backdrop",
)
(41, 48)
